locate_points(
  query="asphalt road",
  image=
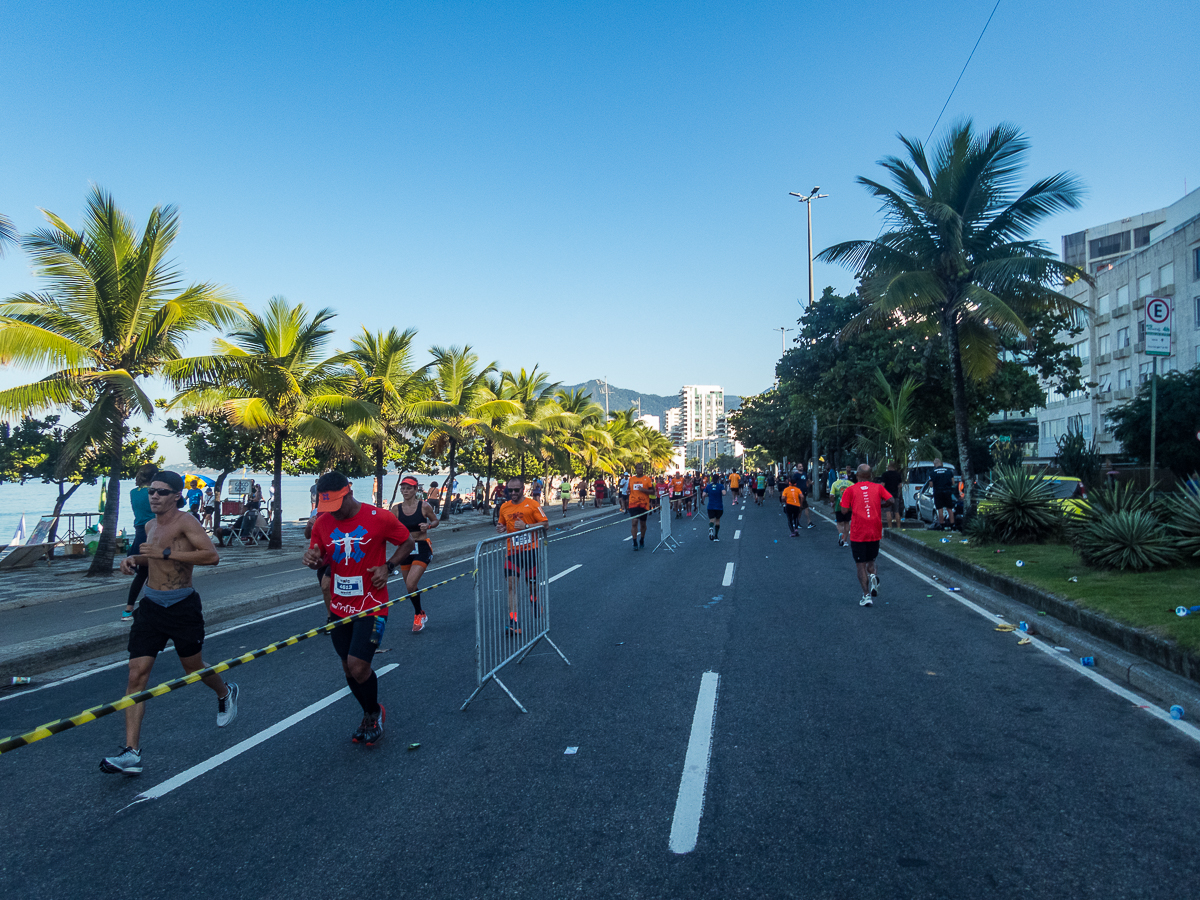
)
(906, 750)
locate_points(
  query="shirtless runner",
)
(169, 611)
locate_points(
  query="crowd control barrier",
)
(511, 576)
(664, 522)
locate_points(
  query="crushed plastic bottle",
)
(1087, 661)
(1020, 563)
(1176, 711)
(945, 540)
(1074, 579)
(1181, 611)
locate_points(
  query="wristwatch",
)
(166, 552)
(391, 569)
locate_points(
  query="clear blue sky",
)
(541, 179)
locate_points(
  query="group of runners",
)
(348, 543)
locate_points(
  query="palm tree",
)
(584, 438)
(114, 311)
(493, 429)
(384, 375)
(461, 404)
(539, 412)
(894, 429)
(270, 376)
(8, 233)
(958, 255)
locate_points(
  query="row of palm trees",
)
(114, 312)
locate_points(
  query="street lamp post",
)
(808, 202)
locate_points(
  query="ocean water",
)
(34, 499)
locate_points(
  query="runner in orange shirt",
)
(677, 495)
(516, 515)
(735, 485)
(793, 502)
(641, 488)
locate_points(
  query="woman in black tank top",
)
(418, 517)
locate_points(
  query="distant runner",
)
(716, 507)
(865, 502)
(841, 516)
(793, 501)
(735, 485)
(942, 479)
(419, 518)
(169, 611)
(564, 494)
(760, 488)
(641, 488)
(351, 538)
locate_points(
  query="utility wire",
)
(964, 69)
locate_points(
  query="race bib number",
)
(522, 540)
(348, 585)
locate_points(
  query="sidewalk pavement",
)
(45, 617)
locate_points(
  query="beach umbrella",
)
(19, 537)
(198, 481)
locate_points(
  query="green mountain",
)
(652, 404)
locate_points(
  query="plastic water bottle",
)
(1176, 711)
(21, 679)
(1020, 563)
(1024, 626)
(1181, 610)
(1087, 661)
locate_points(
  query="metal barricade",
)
(512, 604)
(664, 523)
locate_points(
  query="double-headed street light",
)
(808, 201)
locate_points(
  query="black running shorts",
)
(523, 562)
(841, 515)
(359, 638)
(715, 514)
(864, 551)
(423, 555)
(638, 511)
(943, 500)
(154, 625)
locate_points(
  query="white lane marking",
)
(1142, 703)
(728, 579)
(685, 825)
(737, 534)
(739, 518)
(103, 608)
(164, 788)
(284, 572)
(565, 572)
(630, 538)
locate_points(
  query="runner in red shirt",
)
(351, 538)
(865, 500)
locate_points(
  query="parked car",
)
(925, 510)
(1069, 493)
(918, 474)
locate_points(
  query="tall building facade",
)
(702, 429)
(1156, 254)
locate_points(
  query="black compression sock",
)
(366, 693)
(717, 531)
(416, 601)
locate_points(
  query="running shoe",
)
(865, 601)
(710, 532)
(227, 708)
(514, 627)
(874, 585)
(841, 543)
(419, 622)
(127, 762)
(357, 737)
(127, 615)
(372, 727)
(811, 525)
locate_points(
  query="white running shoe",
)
(865, 601)
(227, 708)
(874, 585)
(127, 762)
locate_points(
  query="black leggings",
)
(793, 516)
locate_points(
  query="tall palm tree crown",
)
(957, 253)
(114, 310)
(271, 375)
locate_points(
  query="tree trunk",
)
(490, 448)
(396, 489)
(58, 508)
(276, 541)
(958, 387)
(449, 481)
(379, 475)
(106, 549)
(217, 496)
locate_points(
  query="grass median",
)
(1144, 600)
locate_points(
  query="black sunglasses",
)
(162, 492)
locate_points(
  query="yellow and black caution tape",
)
(90, 715)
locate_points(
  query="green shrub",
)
(1019, 507)
(1103, 502)
(1127, 539)
(1182, 512)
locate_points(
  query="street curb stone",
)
(1159, 651)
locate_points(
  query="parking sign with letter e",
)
(1158, 326)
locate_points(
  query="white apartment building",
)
(652, 422)
(1156, 254)
(702, 430)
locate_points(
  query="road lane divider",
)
(689, 804)
(555, 578)
(58, 726)
(178, 781)
(728, 579)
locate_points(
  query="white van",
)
(918, 474)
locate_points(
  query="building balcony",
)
(1120, 353)
(1104, 437)
(1103, 359)
(1121, 311)
(1104, 397)
(1139, 303)
(1103, 319)
(1139, 347)
(1124, 394)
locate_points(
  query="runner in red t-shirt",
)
(352, 540)
(865, 500)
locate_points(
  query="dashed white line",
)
(737, 534)
(728, 579)
(685, 826)
(565, 572)
(164, 788)
(739, 518)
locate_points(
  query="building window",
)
(1105, 382)
(1124, 378)
(1196, 317)
(1143, 286)
(1166, 275)
(1080, 424)
(1122, 338)
(1083, 351)
(1144, 372)
(1123, 295)
(1102, 305)
(1141, 236)
(1104, 345)
(1107, 246)
(1196, 264)
(1045, 427)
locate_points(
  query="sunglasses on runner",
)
(161, 492)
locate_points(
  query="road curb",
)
(1162, 653)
